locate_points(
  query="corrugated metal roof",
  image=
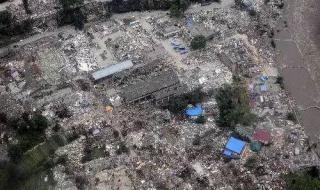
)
(235, 145)
(262, 135)
(152, 85)
(109, 70)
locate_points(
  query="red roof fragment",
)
(262, 135)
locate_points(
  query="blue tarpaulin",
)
(263, 87)
(234, 145)
(264, 78)
(194, 110)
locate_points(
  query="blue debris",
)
(189, 22)
(264, 78)
(183, 51)
(194, 110)
(263, 88)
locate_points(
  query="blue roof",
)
(227, 152)
(194, 111)
(235, 145)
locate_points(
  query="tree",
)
(72, 13)
(178, 7)
(198, 42)
(70, 4)
(301, 181)
(233, 104)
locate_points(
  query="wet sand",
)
(298, 47)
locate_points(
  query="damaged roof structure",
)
(110, 70)
(156, 88)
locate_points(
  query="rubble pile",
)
(143, 145)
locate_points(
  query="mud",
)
(298, 43)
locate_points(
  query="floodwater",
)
(298, 44)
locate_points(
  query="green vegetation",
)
(198, 42)
(233, 103)
(301, 181)
(14, 175)
(292, 117)
(251, 162)
(178, 104)
(70, 4)
(280, 81)
(178, 7)
(26, 6)
(30, 132)
(72, 13)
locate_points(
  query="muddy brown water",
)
(298, 47)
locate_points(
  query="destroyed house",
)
(112, 69)
(158, 89)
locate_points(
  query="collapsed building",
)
(158, 89)
(112, 69)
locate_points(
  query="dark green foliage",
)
(15, 153)
(30, 132)
(3, 118)
(197, 140)
(72, 13)
(252, 12)
(178, 104)
(280, 81)
(81, 182)
(63, 112)
(26, 6)
(292, 117)
(5, 18)
(301, 181)
(122, 149)
(233, 103)
(198, 42)
(251, 162)
(178, 7)
(69, 4)
(273, 44)
(91, 153)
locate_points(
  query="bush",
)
(122, 149)
(70, 4)
(280, 81)
(26, 6)
(251, 162)
(178, 104)
(72, 13)
(178, 7)
(63, 112)
(30, 132)
(292, 117)
(3, 118)
(301, 181)
(233, 104)
(198, 42)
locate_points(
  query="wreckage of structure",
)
(158, 89)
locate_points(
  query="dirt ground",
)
(298, 45)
